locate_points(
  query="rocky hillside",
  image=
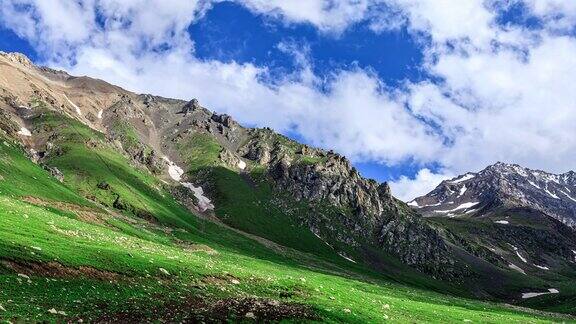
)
(201, 155)
(509, 216)
(501, 185)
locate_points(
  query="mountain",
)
(504, 185)
(157, 208)
(510, 216)
(254, 180)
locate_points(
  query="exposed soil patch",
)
(197, 248)
(195, 310)
(220, 280)
(55, 269)
(86, 214)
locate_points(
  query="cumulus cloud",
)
(406, 188)
(496, 92)
(332, 16)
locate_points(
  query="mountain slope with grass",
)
(123, 207)
(515, 218)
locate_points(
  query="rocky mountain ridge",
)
(507, 185)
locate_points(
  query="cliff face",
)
(370, 215)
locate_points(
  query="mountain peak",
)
(17, 57)
(503, 184)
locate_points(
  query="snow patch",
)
(25, 107)
(462, 206)
(174, 171)
(518, 253)
(551, 194)
(465, 177)
(321, 239)
(533, 294)
(345, 257)
(533, 184)
(100, 114)
(462, 190)
(242, 165)
(520, 170)
(567, 195)
(505, 222)
(541, 267)
(413, 203)
(203, 202)
(432, 205)
(521, 257)
(24, 132)
(78, 111)
(517, 268)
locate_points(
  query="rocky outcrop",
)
(370, 215)
(190, 107)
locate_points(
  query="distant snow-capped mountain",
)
(503, 185)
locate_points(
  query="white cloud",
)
(498, 93)
(332, 16)
(425, 180)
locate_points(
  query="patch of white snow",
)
(567, 195)
(462, 206)
(242, 165)
(533, 184)
(345, 257)
(517, 268)
(551, 194)
(462, 190)
(521, 257)
(541, 267)
(24, 132)
(100, 114)
(203, 202)
(413, 203)
(432, 205)
(533, 294)
(174, 171)
(505, 222)
(518, 253)
(78, 111)
(465, 177)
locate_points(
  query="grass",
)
(526, 230)
(45, 236)
(203, 260)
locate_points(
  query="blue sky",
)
(231, 32)
(412, 91)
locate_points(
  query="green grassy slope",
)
(531, 233)
(66, 257)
